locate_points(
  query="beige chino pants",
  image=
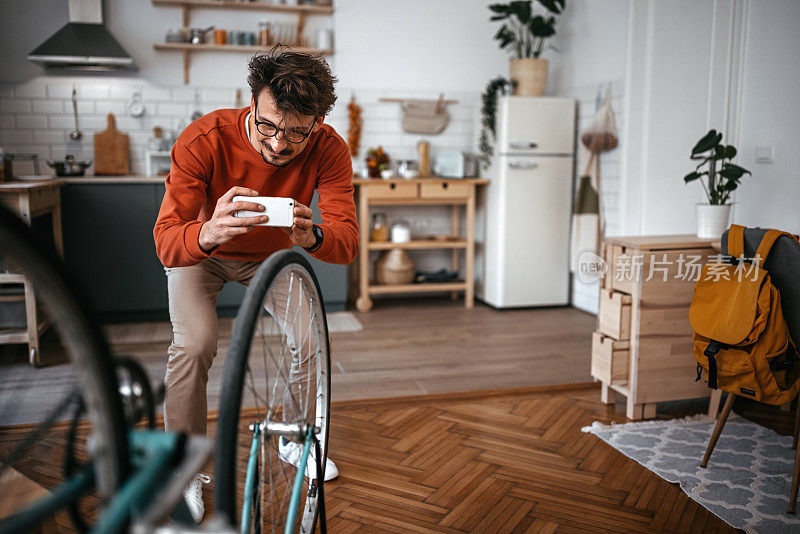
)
(193, 293)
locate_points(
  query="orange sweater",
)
(213, 154)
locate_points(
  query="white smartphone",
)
(279, 210)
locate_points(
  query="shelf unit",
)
(421, 191)
(301, 10)
(30, 200)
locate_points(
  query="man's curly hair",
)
(300, 84)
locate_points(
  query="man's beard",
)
(265, 152)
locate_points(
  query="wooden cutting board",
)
(111, 150)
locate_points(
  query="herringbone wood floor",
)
(508, 462)
(502, 462)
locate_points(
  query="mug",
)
(220, 37)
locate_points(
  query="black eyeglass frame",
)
(282, 130)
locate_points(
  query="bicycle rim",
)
(277, 370)
(49, 425)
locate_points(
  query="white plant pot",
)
(712, 220)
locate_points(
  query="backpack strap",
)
(766, 243)
(736, 241)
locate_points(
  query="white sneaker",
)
(291, 452)
(193, 495)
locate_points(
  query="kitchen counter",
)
(127, 179)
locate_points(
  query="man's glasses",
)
(267, 129)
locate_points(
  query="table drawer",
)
(610, 359)
(624, 268)
(392, 191)
(614, 318)
(444, 190)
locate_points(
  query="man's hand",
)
(301, 231)
(223, 226)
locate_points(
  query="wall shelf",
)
(301, 10)
(428, 244)
(307, 9)
(206, 47)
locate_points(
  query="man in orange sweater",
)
(278, 147)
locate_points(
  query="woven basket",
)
(394, 267)
(530, 75)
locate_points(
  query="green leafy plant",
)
(719, 183)
(524, 31)
(494, 88)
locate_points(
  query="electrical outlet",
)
(765, 153)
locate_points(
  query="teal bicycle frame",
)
(153, 457)
(251, 480)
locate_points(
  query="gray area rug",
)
(748, 478)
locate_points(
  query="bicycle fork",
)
(295, 432)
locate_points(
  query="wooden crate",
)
(655, 275)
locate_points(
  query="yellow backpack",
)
(741, 340)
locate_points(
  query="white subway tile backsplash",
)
(6, 90)
(30, 122)
(171, 109)
(93, 91)
(50, 137)
(60, 90)
(221, 95)
(48, 107)
(117, 107)
(7, 122)
(63, 122)
(8, 105)
(84, 107)
(30, 90)
(14, 137)
(183, 94)
(150, 93)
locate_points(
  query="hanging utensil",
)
(76, 133)
(196, 114)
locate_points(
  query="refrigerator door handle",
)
(520, 145)
(522, 164)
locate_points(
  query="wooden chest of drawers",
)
(642, 346)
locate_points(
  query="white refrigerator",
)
(523, 259)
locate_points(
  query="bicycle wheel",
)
(56, 419)
(277, 370)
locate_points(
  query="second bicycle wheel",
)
(277, 371)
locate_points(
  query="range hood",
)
(83, 43)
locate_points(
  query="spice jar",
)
(263, 33)
(379, 230)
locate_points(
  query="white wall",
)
(770, 115)
(591, 44)
(379, 44)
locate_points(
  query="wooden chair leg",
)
(796, 423)
(723, 416)
(795, 482)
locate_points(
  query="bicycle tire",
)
(85, 345)
(235, 374)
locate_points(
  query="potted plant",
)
(523, 33)
(719, 180)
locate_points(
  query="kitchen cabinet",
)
(108, 245)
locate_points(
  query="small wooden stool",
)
(723, 417)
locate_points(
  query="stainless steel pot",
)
(69, 167)
(198, 35)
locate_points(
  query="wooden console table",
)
(419, 191)
(642, 347)
(30, 199)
